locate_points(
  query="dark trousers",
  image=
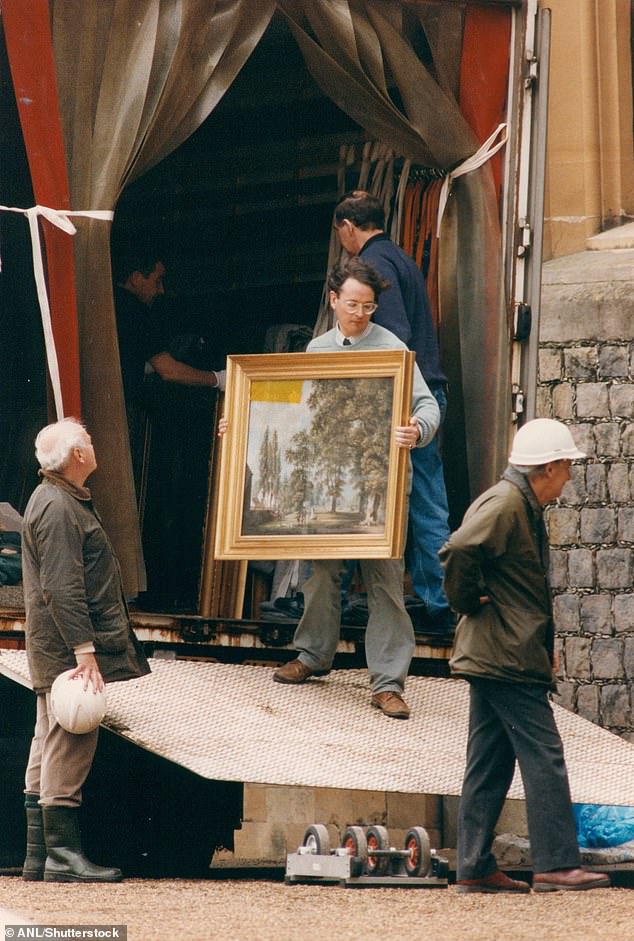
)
(509, 721)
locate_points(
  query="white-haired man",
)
(496, 577)
(76, 618)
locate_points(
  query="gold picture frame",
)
(310, 468)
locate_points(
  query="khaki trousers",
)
(389, 636)
(59, 761)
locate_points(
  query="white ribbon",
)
(484, 153)
(58, 217)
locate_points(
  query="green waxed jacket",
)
(498, 551)
(72, 588)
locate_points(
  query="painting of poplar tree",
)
(268, 487)
(331, 475)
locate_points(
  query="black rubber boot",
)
(65, 861)
(33, 869)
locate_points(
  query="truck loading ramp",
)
(230, 722)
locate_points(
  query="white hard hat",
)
(76, 709)
(542, 440)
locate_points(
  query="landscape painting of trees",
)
(320, 464)
(309, 463)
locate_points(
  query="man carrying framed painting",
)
(389, 640)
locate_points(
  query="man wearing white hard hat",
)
(76, 621)
(496, 578)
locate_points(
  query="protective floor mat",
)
(231, 722)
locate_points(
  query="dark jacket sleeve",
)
(482, 536)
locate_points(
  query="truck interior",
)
(242, 215)
(242, 212)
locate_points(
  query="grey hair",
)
(529, 470)
(55, 443)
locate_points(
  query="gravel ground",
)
(239, 909)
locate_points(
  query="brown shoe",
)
(572, 880)
(391, 704)
(295, 672)
(496, 882)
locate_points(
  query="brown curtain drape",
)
(135, 78)
(350, 48)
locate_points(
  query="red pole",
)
(30, 52)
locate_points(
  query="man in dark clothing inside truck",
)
(140, 282)
(144, 338)
(496, 577)
(169, 455)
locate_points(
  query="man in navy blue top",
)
(404, 309)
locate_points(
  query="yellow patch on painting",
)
(277, 390)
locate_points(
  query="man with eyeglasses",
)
(389, 641)
(404, 309)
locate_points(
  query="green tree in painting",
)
(332, 417)
(299, 486)
(371, 440)
(349, 436)
(276, 467)
(270, 468)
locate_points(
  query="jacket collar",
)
(522, 484)
(53, 477)
(379, 237)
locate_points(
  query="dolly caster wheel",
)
(378, 839)
(355, 843)
(317, 840)
(419, 859)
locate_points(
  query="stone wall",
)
(586, 379)
(276, 817)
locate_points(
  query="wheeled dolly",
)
(366, 859)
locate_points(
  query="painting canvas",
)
(309, 465)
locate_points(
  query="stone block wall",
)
(586, 379)
(276, 817)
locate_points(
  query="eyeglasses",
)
(355, 307)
